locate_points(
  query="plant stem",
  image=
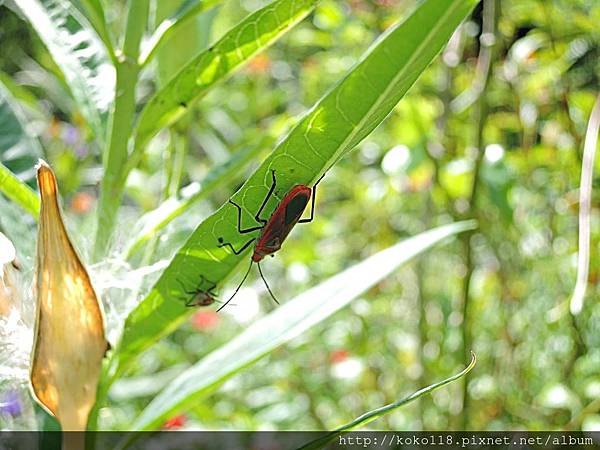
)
(488, 39)
(113, 182)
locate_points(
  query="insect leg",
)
(211, 288)
(312, 204)
(236, 252)
(247, 230)
(190, 302)
(185, 290)
(264, 203)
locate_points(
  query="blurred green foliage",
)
(522, 136)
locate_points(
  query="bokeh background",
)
(493, 130)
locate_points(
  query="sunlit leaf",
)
(18, 192)
(339, 121)
(69, 339)
(253, 34)
(286, 322)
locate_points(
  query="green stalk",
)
(113, 182)
(485, 59)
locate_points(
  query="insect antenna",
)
(238, 288)
(266, 284)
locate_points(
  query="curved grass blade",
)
(19, 152)
(253, 34)
(187, 11)
(585, 201)
(79, 54)
(382, 411)
(338, 122)
(285, 323)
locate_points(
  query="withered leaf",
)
(69, 341)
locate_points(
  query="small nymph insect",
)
(200, 297)
(275, 229)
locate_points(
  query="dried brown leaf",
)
(69, 341)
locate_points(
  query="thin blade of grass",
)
(382, 411)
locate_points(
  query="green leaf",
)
(255, 33)
(94, 13)
(19, 192)
(19, 152)
(382, 411)
(187, 11)
(337, 123)
(22, 95)
(285, 323)
(78, 53)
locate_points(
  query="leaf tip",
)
(472, 363)
(46, 179)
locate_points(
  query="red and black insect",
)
(200, 297)
(276, 228)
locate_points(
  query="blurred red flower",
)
(82, 202)
(205, 320)
(338, 356)
(259, 64)
(175, 422)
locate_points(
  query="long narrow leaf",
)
(253, 34)
(337, 123)
(285, 323)
(78, 53)
(380, 412)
